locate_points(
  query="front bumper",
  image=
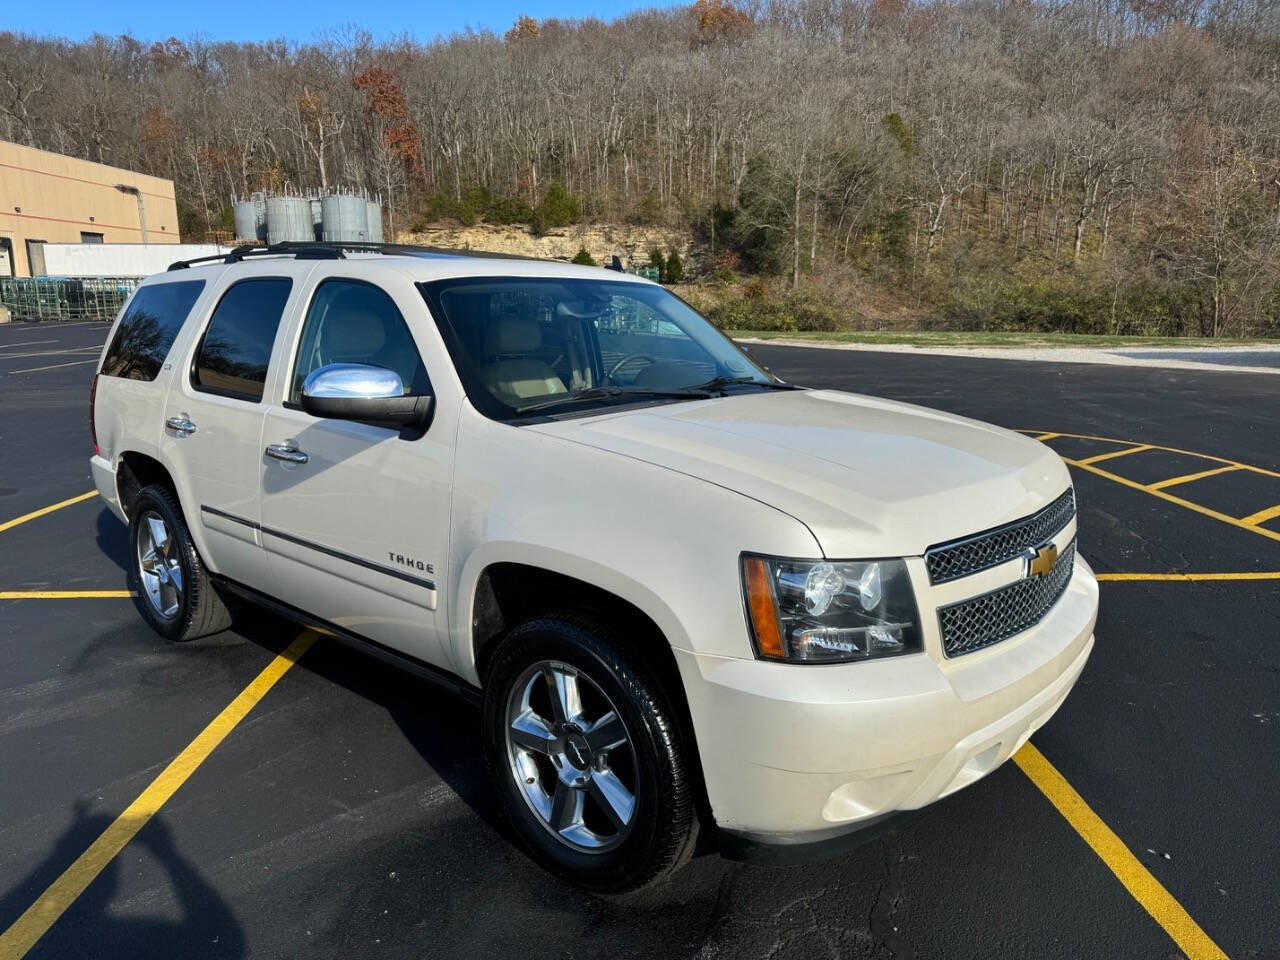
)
(798, 754)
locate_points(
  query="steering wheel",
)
(627, 359)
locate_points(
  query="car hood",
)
(869, 477)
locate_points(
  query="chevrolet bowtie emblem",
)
(1040, 560)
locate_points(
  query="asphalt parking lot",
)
(348, 813)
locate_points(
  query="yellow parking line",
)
(41, 915)
(1047, 436)
(64, 594)
(1262, 516)
(1188, 477)
(1192, 577)
(1142, 886)
(1116, 453)
(1233, 521)
(9, 524)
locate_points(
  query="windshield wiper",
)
(612, 393)
(719, 383)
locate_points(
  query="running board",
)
(419, 668)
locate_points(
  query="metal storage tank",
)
(373, 230)
(245, 215)
(345, 219)
(289, 220)
(317, 218)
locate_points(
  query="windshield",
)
(556, 346)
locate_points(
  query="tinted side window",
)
(233, 356)
(148, 328)
(352, 322)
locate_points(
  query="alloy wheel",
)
(571, 757)
(158, 566)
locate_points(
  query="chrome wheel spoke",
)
(175, 577)
(606, 733)
(530, 732)
(159, 534)
(566, 702)
(617, 802)
(566, 807)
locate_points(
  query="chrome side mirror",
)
(358, 391)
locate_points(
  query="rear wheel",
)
(172, 588)
(586, 756)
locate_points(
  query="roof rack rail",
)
(302, 251)
(334, 250)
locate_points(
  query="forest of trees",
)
(1093, 165)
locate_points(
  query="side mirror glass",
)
(358, 391)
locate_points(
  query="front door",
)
(355, 516)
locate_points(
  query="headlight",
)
(830, 611)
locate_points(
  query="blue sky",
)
(290, 19)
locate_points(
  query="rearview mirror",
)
(358, 391)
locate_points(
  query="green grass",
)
(978, 338)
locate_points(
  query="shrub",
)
(584, 258)
(648, 211)
(558, 208)
(674, 268)
(794, 312)
(659, 263)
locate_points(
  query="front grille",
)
(981, 621)
(950, 561)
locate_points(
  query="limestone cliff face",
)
(601, 241)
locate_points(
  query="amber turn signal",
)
(762, 607)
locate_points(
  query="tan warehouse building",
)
(48, 198)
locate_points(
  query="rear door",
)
(357, 534)
(213, 417)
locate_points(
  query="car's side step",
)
(432, 674)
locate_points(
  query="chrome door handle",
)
(286, 452)
(180, 424)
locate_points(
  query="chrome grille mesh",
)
(950, 561)
(981, 621)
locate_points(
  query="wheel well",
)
(137, 470)
(508, 594)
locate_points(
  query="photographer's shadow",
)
(205, 926)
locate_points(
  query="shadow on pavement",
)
(91, 928)
(113, 538)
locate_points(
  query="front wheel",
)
(586, 756)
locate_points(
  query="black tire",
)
(200, 610)
(663, 831)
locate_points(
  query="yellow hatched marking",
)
(1117, 453)
(1180, 577)
(1188, 477)
(64, 594)
(41, 915)
(1124, 481)
(9, 524)
(1137, 879)
(1190, 453)
(1262, 516)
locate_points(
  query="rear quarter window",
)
(148, 328)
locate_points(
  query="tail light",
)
(93, 427)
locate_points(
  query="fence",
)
(62, 299)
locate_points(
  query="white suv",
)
(688, 594)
